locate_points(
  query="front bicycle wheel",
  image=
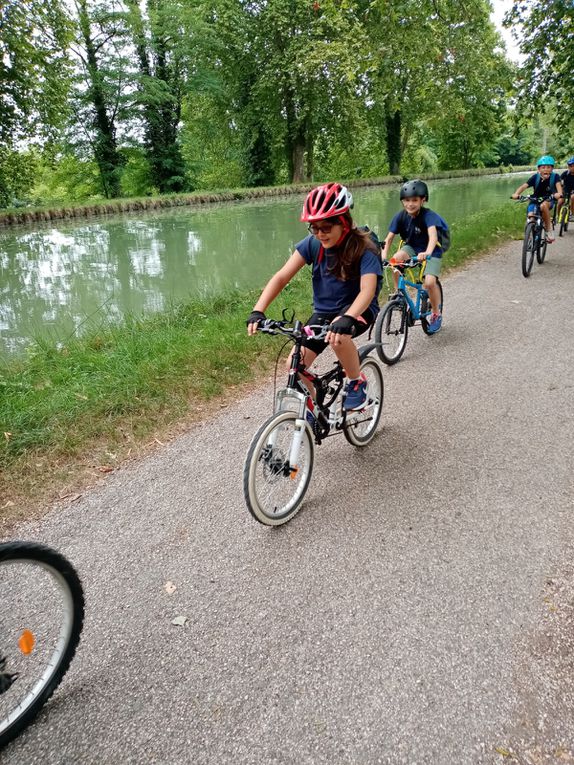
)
(391, 331)
(425, 319)
(528, 249)
(360, 426)
(42, 613)
(541, 248)
(278, 468)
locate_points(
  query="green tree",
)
(99, 89)
(291, 70)
(545, 31)
(34, 81)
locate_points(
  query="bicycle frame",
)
(311, 393)
(415, 306)
(316, 398)
(564, 214)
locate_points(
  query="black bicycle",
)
(309, 409)
(41, 619)
(535, 241)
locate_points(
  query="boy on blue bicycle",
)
(545, 183)
(424, 234)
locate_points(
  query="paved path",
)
(419, 609)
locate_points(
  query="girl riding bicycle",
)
(346, 273)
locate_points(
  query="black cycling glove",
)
(256, 317)
(344, 325)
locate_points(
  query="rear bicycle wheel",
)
(425, 319)
(391, 331)
(542, 245)
(278, 468)
(528, 249)
(40, 625)
(360, 426)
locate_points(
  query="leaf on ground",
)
(106, 469)
(504, 752)
(170, 588)
(179, 621)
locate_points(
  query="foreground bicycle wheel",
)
(528, 250)
(360, 426)
(391, 331)
(41, 618)
(541, 248)
(425, 307)
(278, 468)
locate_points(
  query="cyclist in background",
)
(421, 231)
(346, 274)
(567, 179)
(545, 183)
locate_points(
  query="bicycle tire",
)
(541, 249)
(425, 319)
(17, 713)
(273, 489)
(360, 426)
(391, 331)
(528, 250)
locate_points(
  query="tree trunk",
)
(393, 125)
(298, 163)
(161, 118)
(105, 147)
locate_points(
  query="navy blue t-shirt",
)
(332, 295)
(567, 179)
(414, 231)
(543, 188)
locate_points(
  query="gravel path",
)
(418, 610)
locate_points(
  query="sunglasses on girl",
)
(324, 228)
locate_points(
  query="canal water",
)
(59, 278)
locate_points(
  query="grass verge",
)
(70, 414)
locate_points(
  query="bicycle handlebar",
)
(276, 327)
(532, 198)
(411, 263)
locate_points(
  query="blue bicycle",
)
(409, 304)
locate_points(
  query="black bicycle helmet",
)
(415, 188)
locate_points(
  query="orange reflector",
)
(26, 642)
(293, 473)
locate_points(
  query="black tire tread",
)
(36, 551)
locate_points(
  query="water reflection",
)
(56, 280)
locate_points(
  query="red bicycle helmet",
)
(326, 201)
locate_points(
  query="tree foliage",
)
(170, 95)
(545, 29)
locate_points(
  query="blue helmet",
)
(570, 161)
(546, 160)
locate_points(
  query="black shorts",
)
(361, 325)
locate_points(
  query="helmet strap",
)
(346, 230)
